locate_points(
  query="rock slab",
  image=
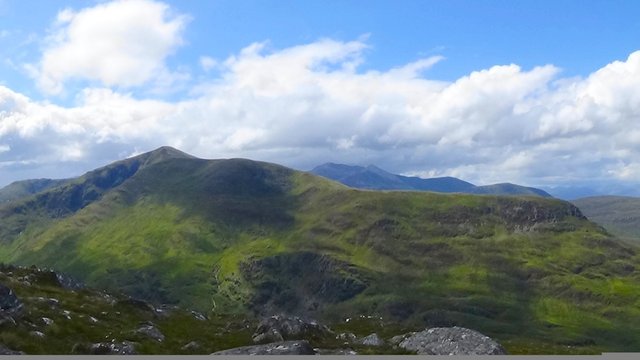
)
(372, 340)
(280, 328)
(451, 341)
(150, 330)
(301, 347)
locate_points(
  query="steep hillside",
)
(372, 177)
(620, 215)
(72, 195)
(22, 189)
(238, 236)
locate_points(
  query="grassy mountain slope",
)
(235, 235)
(509, 189)
(620, 215)
(25, 188)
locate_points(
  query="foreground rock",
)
(335, 352)
(280, 328)
(347, 337)
(451, 341)
(150, 330)
(300, 347)
(372, 340)
(6, 351)
(105, 348)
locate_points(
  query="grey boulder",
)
(299, 347)
(372, 340)
(280, 328)
(150, 330)
(451, 341)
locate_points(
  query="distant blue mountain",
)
(372, 177)
(599, 188)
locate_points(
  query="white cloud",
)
(208, 63)
(309, 104)
(120, 43)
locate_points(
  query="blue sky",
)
(536, 92)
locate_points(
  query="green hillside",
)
(22, 189)
(620, 215)
(509, 189)
(231, 236)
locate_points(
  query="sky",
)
(539, 93)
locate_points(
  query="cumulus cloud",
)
(121, 43)
(207, 63)
(308, 104)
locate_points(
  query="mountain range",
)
(236, 236)
(372, 177)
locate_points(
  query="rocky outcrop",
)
(105, 348)
(451, 341)
(347, 337)
(300, 282)
(396, 340)
(67, 282)
(192, 346)
(298, 347)
(280, 328)
(10, 306)
(150, 330)
(6, 351)
(336, 352)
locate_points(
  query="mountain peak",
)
(162, 153)
(170, 152)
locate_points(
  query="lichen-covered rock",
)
(299, 347)
(335, 352)
(396, 340)
(149, 329)
(281, 328)
(347, 337)
(105, 348)
(199, 316)
(68, 282)
(36, 333)
(372, 340)
(191, 346)
(451, 341)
